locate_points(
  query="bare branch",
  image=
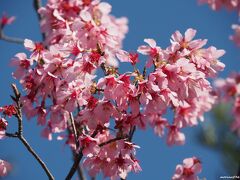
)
(131, 133)
(29, 148)
(11, 135)
(111, 141)
(20, 136)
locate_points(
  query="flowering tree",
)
(72, 84)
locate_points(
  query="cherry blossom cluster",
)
(74, 88)
(231, 5)
(188, 170)
(229, 91)
(7, 111)
(58, 83)
(83, 24)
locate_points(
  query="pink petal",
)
(189, 34)
(29, 45)
(177, 36)
(152, 43)
(105, 7)
(123, 56)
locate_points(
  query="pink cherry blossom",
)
(218, 4)
(5, 167)
(5, 20)
(8, 110)
(60, 78)
(188, 170)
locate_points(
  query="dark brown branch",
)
(80, 172)
(37, 4)
(75, 165)
(111, 141)
(79, 169)
(11, 135)
(19, 134)
(29, 148)
(10, 39)
(131, 133)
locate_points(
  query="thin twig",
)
(11, 135)
(111, 141)
(29, 148)
(74, 129)
(37, 5)
(131, 133)
(79, 169)
(75, 165)
(10, 39)
(19, 134)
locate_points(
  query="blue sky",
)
(147, 19)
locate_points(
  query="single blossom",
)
(5, 20)
(189, 170)
(5, 167)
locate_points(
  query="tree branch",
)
(38, 4)
(111, 141)
(19, 134)
(131, 133)
(78, 159)
(30, 149)
(10, 39)
(79, 169)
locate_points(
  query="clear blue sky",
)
(147, 19)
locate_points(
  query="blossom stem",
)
(74, 129)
